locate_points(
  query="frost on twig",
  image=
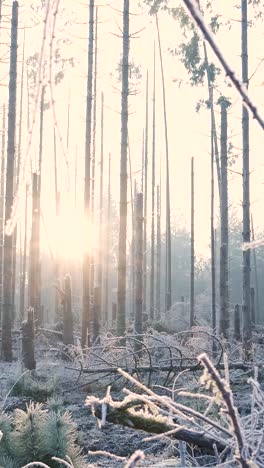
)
(218, 429)
(193, 8)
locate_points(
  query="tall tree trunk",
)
(33, 281)
(247, 329)
(152, 266)
(107, 247)
(93, 257)
(255, 273)
(2, 204)
(139, 263)
(213, 278)
(17, 182)
(224, 292)
(57, 207)
(100, 255)
(192, 322)
(142, 161)
(121, 288)
(86, 258)
(24, 263)
(158, 256)
(7, 286)
(145, 203)
(168, 288)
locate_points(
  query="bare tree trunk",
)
(224, 289)
(24, 263)
(192, 321)
(33, 283)
(213, 278)
(158, 256)
(237, 334)
(57, 206)
(256, 274)
(247, 329)
(152, 266)
(86, 259)
(2, 204)
(145, 203)
(28, 336)
(168, 289)
(17, 182)
(93, 257)
(7, 286)
(67, 312)
(121, 294)
(252, 307)
(107, 255)
(143, 159)
(100, 256)
(139, 263)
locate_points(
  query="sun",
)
(72, 236)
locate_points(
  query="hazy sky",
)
(189, 132)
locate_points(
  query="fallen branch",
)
(129, 413)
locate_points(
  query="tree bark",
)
(107, 253)
(28, 337)
(100, 256)
(213, 278)
(192, 321)
(93, 255)
(158, 256)
(121, 288)
(237, 333)
(67, 312)
(2, 204)
(7, 271)
(247, 329)
(224, 288)
(152, 265)
(24, 262)
(168, 288)
(86, 257)
(139, 264)
(255, 274)
(145, 202)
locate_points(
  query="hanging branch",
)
(198, 18)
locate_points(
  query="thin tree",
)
(139, 263)
(158, 256)
(94, 142)
(24, 262)
(145, 201)
(168, 288)
(255, 272)
(100, 256)
(121, 288)
(7, 270)
(17, 179)
(57, 209)
(35, 269)
(2, 203)
(152, 265)
(107, 247)
(213, 276)
(247, 328)
(192, 322)
(86, 258)
(224, 287)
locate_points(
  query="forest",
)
(131, 233)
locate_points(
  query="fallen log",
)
(129, 413)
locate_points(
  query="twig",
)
(198, 18)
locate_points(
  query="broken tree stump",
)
(28, 334)
(67, 313)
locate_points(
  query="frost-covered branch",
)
(198, 18)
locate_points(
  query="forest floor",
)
(54, 371)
